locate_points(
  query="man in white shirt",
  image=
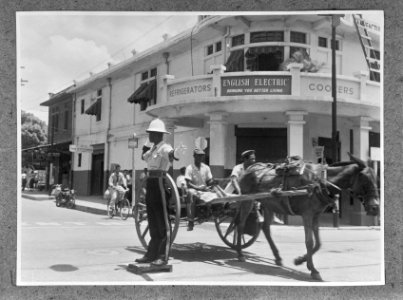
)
(198, 177)
(181, 181)
(248, 159)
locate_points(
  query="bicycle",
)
(122, 205)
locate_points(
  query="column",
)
(363, 76)
(218, 70)
(164, 82)
(361, 138)
(295, 70)
(218, 137)
(295, 132)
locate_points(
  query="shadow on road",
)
(227, 258)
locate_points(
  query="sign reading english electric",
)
(256, 85)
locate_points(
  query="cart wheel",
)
(174, 210)
(228, 232)
(124, 207)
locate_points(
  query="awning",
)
(92, 110)
(234, 60)
(145, 92)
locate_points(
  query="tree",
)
(33, 131)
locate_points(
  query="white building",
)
(222, 80)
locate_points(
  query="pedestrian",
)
(117, 186)
(181, 182)
(159, 156)
(23, 180)
(129, 185)
(198, 177)
(248, 158)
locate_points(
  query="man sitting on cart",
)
(248, 159)
(198, 177)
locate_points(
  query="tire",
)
(124, 208)
(174, 210)
(228, 232)
(58, 201)
(72, 203)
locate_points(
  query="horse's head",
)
(365, 188)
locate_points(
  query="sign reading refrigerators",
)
(256, 85)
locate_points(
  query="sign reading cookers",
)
(80, 148)
(256, 85)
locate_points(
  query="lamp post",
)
(133, 143)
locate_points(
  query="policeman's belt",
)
(156, 173)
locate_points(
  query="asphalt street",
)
(60, 246)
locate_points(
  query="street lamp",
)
(133, 143)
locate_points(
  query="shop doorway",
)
(97, 174)
(270, 144)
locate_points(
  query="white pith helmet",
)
(157, 125)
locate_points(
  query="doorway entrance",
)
(97, 174)
(270, 144)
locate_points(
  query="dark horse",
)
(355, 176)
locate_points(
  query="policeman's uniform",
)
(158, 163)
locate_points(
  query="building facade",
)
(240, 82)
(58, 156)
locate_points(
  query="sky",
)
(53, 49)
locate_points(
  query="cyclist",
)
(117, 187)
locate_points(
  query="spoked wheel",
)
(228, 232)
(124, 208)
(174, 210)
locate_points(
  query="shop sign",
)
(80, 148)
(256, 85)
(193, 88)
(319, 150)
(319, 87)
(369, 25)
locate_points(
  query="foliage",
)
(33, 131)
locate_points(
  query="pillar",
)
(217, 70)
(295, 132)
(363, 76)
(218, 137)
(295, 71)
(361, 138)
(164, 82)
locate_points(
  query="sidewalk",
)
(91, 204)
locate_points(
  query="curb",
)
(36, 197)
(89, 209)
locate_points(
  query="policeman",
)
(159, 158)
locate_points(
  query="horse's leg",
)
(244, 209)
(315, 228)
(268, 218)
(308, 227)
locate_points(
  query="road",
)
(60, 246)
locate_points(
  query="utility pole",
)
(335, 23)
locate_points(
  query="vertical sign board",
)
(256, 85)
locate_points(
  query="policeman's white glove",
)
(179, 151)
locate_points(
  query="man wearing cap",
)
(159, 158)
(248, 159)
(198, 176)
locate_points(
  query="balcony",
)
(193, 98)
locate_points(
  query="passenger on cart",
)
(198, 177)
(248, 159)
